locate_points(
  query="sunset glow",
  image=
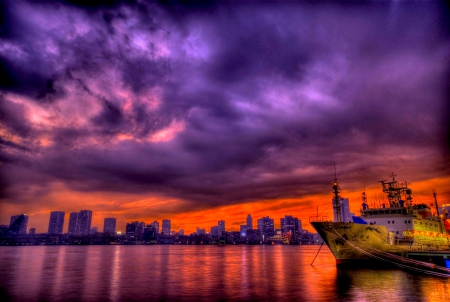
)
(148, 111)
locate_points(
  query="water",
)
(201, 273)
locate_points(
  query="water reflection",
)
(209, 273)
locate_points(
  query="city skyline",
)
(77, 227)
(147, 111)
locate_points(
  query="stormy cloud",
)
(220, 104)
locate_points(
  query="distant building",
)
(166, 226)
(253, 236)
(200, 231)
(4, 229)
(155, 225)
(181, 232)
(80, 223)
(249, 222)
(93, 231)
(18, 224)
(56, 222)
(266, 226)
(109, 225)
(84, 222)
(445, 210)
(32, 231)
(135, 228)
(73, 223)
(243, 229)
(149, 233)
(215, 231)
(346, 215)
(221, 225)
(290, 225)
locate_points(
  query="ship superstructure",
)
(396, 228)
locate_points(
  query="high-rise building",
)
(266, 226)
(56, 222)
(290, 225)
(135, 228)
(181, 232)
(346, 215)
(215, 231)
(80, 223)
(221, 225)
(243, 230)
(32, 231)
(249, 222)
(73, 223)
(109, 225)
(18, 224)
(84, 222)
(155, 225)
(166, 226)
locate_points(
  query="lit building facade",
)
(56, 222)
(249, 222)
(266, 226)
(221, 227)
(290, 225)
(18, 224)
(109, 225)
(155, 225)
(80, 223)
(166, 226)
(215, 231)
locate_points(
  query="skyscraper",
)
(56, 222)
(265, 225)
(155, 225)
(221, 225)
(109, 225)
(166, 226)
(73, 223)
(135, 228)
(290, 225)
(84, 222)
(80, 223)
(215, 231)
(249, 222)
(18, 224)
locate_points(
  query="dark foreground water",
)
(201, 273)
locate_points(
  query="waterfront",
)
(201, 273)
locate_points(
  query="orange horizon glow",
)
(136, 207)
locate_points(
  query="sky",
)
(145, 110)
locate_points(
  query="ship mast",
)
(337, 198)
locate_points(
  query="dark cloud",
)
(217, 104)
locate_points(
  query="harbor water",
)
(201, 273)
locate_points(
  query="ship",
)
(398, 232)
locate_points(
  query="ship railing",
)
(319, 218)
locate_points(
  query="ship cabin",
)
(402, 219)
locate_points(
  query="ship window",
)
(409, 221)
(406, 221)
(393, 221)
(389, 222)
(397, 232)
